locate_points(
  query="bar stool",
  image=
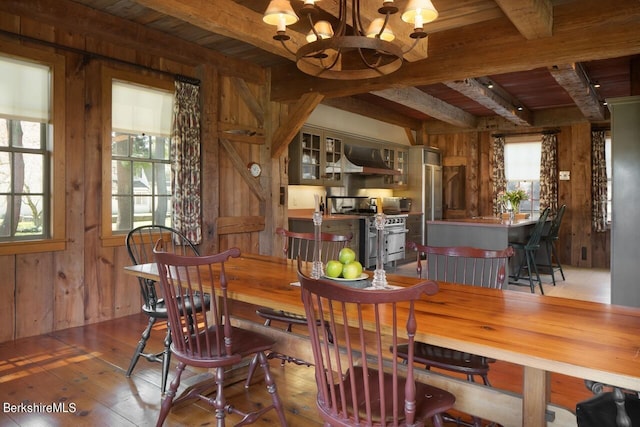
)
(549, 239)
(528, 252)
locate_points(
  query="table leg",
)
(536, 393)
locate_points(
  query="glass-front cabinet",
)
(398, 159)
(316, 158)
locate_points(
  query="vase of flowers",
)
(511, 199)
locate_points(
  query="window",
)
(32, 193)
(137, 190)
(522, 170)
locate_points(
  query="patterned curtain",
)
(185, 158)
(598, 182)
(499, 179)
(549, 173)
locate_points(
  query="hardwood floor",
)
(82, 370)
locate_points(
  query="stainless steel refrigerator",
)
(425, 184)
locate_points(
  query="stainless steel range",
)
(395, 237)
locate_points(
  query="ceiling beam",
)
(551, 118)
(459, 54)
(533, 18)
(418, 100)
(367, 109)
(461, 13)
(575, 81)
(298, 115)
(475, 90)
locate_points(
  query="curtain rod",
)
(85, 53)
(542, 132)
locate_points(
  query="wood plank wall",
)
(85, 283)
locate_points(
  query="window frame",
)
(56, 148)
(108, 236)
(526, 139)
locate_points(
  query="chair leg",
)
(166, 360)
(535, 269)
(549, 247)
(437, 421)
(531, 285)
(252, 369)
(531, 266)
(272, 389)
(141, 345)
(555, 255)
(219, 401)
(516, 277)
(171, 394)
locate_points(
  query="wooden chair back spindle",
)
(359, 382)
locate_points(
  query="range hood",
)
(365, 161)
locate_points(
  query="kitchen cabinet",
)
(398, 159)
(315, 158)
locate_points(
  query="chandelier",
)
(348, 52)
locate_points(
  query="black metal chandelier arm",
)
(285, 46)
(414, 44)
(358, 28)
(312, 25)
(373, 66)
(334, 62)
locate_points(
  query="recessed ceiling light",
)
(520, 108)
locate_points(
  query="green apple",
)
(333, 268)
(346, 255)
(353, 270)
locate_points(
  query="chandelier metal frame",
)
(348, 52)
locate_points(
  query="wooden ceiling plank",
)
(227, 18)
(100, 25)
(475, 90)
(434, 107)
(298, 115)
(367, 109)
(533, 18)
(575, 81)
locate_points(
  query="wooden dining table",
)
(543, 334)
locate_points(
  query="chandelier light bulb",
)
(280, 13)
(324, 30)
(419, 12)
(376, 26)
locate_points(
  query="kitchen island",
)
(485, 232)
